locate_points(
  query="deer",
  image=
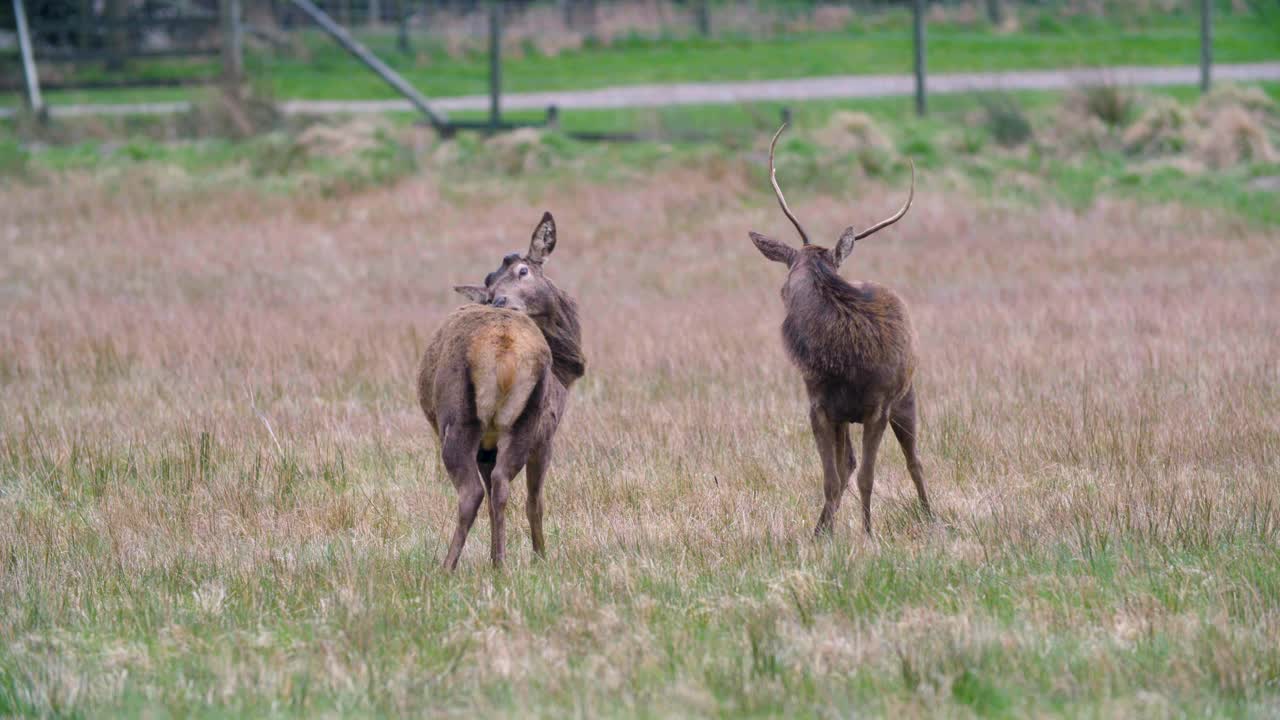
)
(494, 382)
(855, 348)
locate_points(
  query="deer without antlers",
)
(855, 347)
(494, 382)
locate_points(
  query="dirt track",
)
(797, 89)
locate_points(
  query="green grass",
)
(774, 598)
(325, 72)
(697, 60)
(218, 499)
(735, 129)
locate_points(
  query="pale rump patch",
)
(506, 361)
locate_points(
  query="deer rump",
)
(484, 365)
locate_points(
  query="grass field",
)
(218, 496)
(440, 70)
(954, 141)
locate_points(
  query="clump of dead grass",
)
(1235, 125)
(1249, 98)
(343, 139)
(1161, 129)
(857, 134)
(519, 151)
(1234, 136)
(1231, 126)
(240, 112)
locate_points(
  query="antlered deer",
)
(854, 344)
(493, 383)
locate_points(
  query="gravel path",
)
(798, 89)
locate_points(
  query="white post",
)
(28, 59)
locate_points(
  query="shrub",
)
(1112, 104)
(1004, 120)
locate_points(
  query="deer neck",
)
(831, 326)
(563, 333)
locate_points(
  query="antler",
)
(896, 217)
(773, 179)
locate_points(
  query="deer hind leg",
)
(872, 431)
(534, 472)
(846, 461)
(825, 434)
(903, 421)
(515, 445)
(458, 450)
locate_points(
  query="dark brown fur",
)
(855, 347)
(531, 338)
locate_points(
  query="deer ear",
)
(772, 249)
(544, 238)
(844, 245)
(474, 293)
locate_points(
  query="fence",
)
(110, 42)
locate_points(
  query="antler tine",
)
(897, 216)
(773, 179)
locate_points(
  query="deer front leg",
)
(826, 436)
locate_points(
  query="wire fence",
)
(448, 48)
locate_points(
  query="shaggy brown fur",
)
(494, 384)
(855, 347)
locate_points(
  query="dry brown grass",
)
(217, 488)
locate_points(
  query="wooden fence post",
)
(117, 38)
(993, 12)
(1206, 44)
(918, 28)
(495, 65)
(232, 41)
(28, 60)
(402, 31)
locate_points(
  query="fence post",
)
(495, 64)
(918, 27)
(704, 18)
(1206, 44)
(402, 32)
(117, 38)
(232, 43)
(993, 12)
(28, 60)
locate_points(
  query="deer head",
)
(519, 283)
(781, 252)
